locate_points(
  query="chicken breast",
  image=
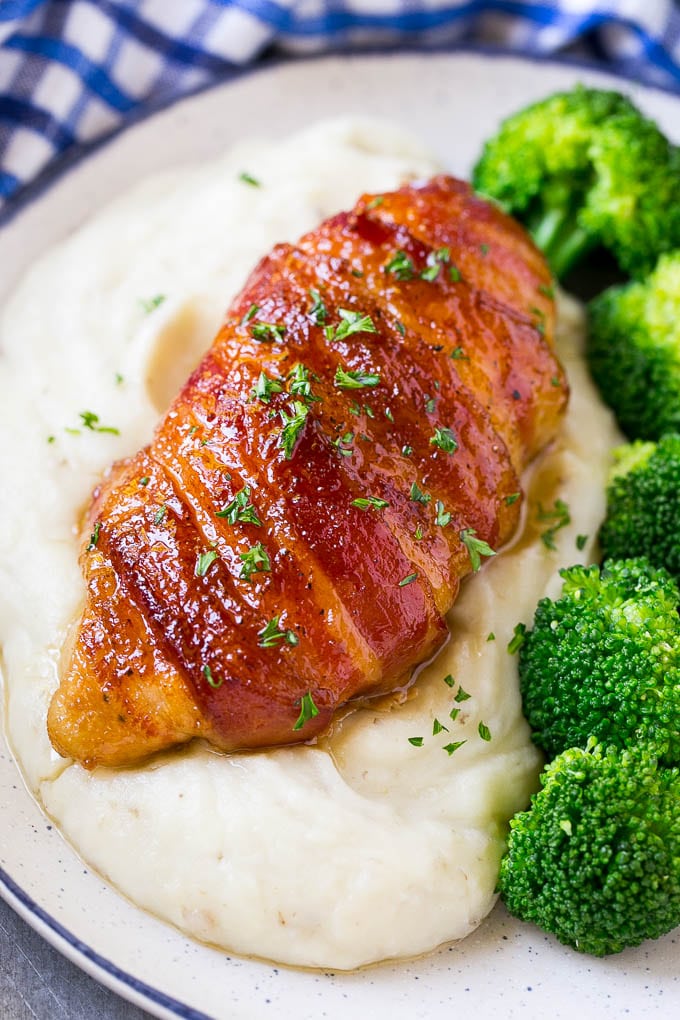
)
(347, 451)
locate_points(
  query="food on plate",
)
(643, 504)
(596, 859)
(382, 838)
(634, 350)
(346, 452)
(603, 660)
(585, 169)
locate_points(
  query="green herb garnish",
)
(215, 684)
(308, 710)
(476, 547)
(204, 561)
(350, 323)
(354, 380)
(445, 440)
(255, 561)
(418, 496)
(270, 636)
(558, 517)
(94, 537)
(517, 641)
(240, 509)
(293, 425)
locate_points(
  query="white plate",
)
(505, 969)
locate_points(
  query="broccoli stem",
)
(560, 238)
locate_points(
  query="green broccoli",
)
(633, 350)
(585, 169)
(603, 660)
(596, 858)
(643, 504)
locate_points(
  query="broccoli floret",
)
(643, 504)
(633, 350)
(596, 858)
(603, 660)
(584, 169)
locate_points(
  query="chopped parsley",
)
(94, 537)
(204, 561)
(267, 332)
(461, 695)
(558, 517)
(368, 502)
(343, 444)
(160, 514)
(249, 179)
(401, 327)
(458, 354)
(409, 579)
(435, 260)
(476, 547)
(293, 425)
(240, 509)
(299, 382)
(250, 314)
(445, 440)
(491, 636)
(318, 311)
(484, 731)
(450, 748)
(150, 304)
(308, 710)
(401, 266)
(215, 684)
(416, 741)
(484, 249)
(449, 681)
(255, 561)
(90, 421)
(442, 517)
(406, 450)
(119, 379)
(270, 636)
(350, 323)
(418, 533)
(430, 405)
(416, 495)
(265, 388)
(546, 290)
(355, 380)
(375, 202)
(581, 541)
(517, 641)
(144, 481)
(454, 274)
(512, 498)
(437, 727)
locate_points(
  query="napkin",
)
(73, 70)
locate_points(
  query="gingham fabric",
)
(72, 70)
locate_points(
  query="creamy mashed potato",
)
(381, 840)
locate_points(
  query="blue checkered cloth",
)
(73, 70)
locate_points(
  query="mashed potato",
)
(382, 840)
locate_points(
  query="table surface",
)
(38, 983)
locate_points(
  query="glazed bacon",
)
(299, 526)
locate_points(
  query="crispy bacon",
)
(300, 524)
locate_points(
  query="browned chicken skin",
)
(301, 521)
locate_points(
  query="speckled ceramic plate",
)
(505, 969)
